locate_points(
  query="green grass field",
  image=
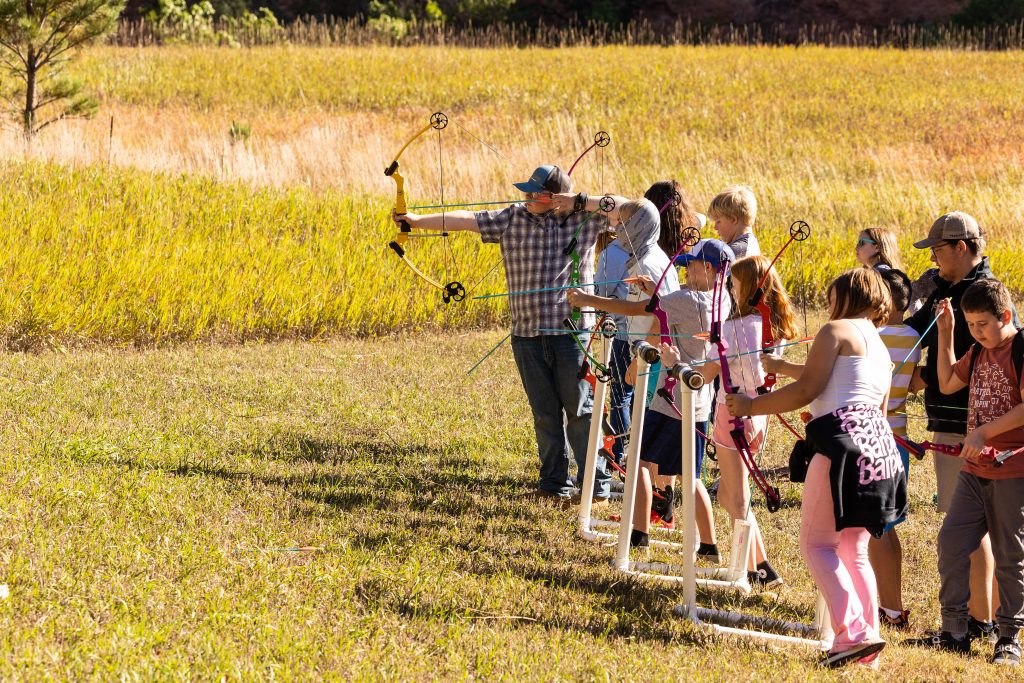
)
(145, 494)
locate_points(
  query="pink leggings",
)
(838, 561)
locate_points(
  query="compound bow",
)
(773, 500)
(690, 237)
(919, 448)
(601, 139)
(572, 250)
(798, 232)
(452, 290)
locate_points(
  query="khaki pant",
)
(947, 468)
(979, 507)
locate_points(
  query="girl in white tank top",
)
(857, 378)
(855, 482)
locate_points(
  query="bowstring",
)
(803, 290)
(737, 329)
(501, 259)
(745, 367)
(450, 263)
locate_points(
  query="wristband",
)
(580, 203)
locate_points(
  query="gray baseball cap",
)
(951, 227)
(546, 179)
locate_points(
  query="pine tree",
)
(37, 40)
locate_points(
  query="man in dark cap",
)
(957, 244)
(534, 237)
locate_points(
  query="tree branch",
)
(44, 125)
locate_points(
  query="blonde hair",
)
(860, 291)
(746, 274)
(888, 249)
(628, 209)
(736, 202)
(604, 239)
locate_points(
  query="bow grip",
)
(401, 208)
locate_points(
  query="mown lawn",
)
(146, 497)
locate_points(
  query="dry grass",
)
(841, 138)
(140, 486)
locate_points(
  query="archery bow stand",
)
(817, 636)
(590, 529)
(724, 622)
(733, 577)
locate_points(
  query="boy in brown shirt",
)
(989, 496)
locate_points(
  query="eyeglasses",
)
(939, 246)
(864, 240)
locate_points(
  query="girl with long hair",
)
(855, 483)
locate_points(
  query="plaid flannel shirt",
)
(532, 247)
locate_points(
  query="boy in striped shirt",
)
(886, 553)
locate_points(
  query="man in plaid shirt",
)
(533, 237)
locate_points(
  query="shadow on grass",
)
(474, 516)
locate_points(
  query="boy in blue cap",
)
(688, 310)
(534, 237)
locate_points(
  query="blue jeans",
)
(561, 405)
(622, 394)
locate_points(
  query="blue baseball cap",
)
(715, 252)
(546, 178)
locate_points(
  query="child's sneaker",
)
(764, 576)
(709, 552)
(658, 521)
(1007, 652)
(857, 653)
(663, 506)
(943, 640)
(983, 630)
(898, 623)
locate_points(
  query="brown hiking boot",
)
(561, 502)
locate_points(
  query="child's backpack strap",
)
(1017, 355)
(975, 348)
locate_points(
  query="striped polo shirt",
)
(899, 339)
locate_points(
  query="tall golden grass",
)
(284, 234)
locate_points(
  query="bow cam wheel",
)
(453, 291)
(690, 237)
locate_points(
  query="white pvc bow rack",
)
(817, 635)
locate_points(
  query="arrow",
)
(545, 200)
(628, 280)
